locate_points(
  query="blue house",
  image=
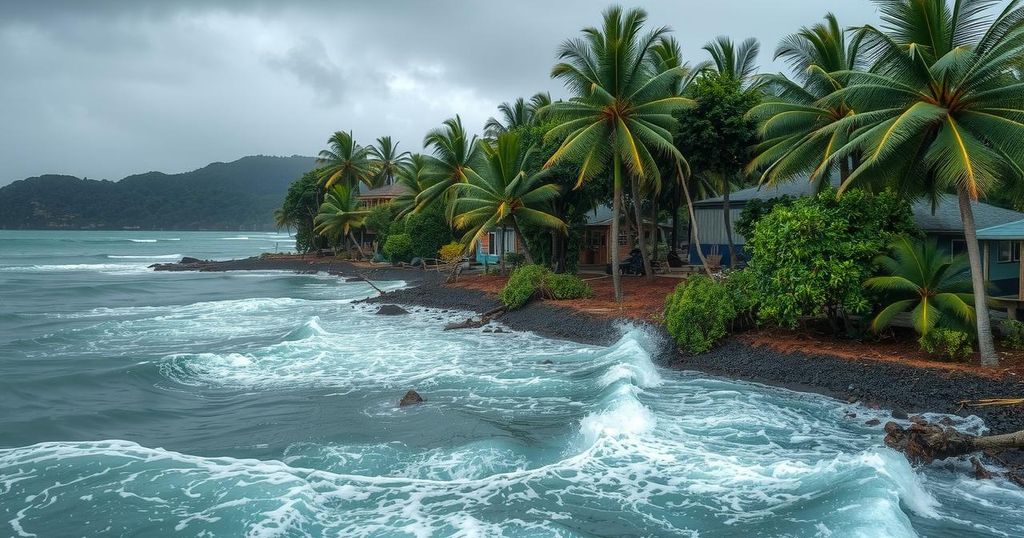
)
(1001, 255)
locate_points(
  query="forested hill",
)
(240, 195)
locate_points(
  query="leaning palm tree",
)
(386, 161)
(942, 109)
(794, 114)
(339, 215)
(621, 112)
(922, 279)
(282, 219)
(344, 162)
(517, 114)
(415, 176)
(502, 193)
(455, 153)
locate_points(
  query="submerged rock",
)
(411, 398)
(873, 422)
(392, 310)
(899, 414)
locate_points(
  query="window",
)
(492, 243)
(1008, 251)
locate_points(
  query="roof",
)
(1008, 231)
(387, 191)
(602, 216)
(946, 216)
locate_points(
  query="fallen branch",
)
(992, 402)
(372, 285)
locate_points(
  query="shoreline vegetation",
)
(905, 387)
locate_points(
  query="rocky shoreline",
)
(904, 389)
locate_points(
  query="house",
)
(381, 195)
(597, 229)
(489, 247)
(1001, 256)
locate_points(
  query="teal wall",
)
(1003, 276)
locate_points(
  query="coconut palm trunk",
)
(656, 229)
(613, 241)
(522, 239)
(359, 247)
(695, 235)
(641, 233)
(986, 347)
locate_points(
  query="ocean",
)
(136, 403)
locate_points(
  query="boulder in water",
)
(189, 259)
(411, 398)
(391, 310)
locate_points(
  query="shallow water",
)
(263, 404)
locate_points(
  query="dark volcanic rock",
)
(899, 414)
(188, 259)
(392, 310)
(873, 422)
(411, 398)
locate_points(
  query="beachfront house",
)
(597, 229)
(1001, 254)
(489, 247)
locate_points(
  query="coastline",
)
(903, 388)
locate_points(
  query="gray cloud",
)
(108, 88)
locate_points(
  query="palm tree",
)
(415, 176)
(737, 63)
(345, 162)
(455, 153)
(942, 110)
(621, 110)
(504, 194)
(386, 161)
(339, 215)
(519, 113)
(926, 282)
(282, 219)
(795, 113)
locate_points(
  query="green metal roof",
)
(1006, 232)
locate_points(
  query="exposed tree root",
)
(924, 443)
(475, 323)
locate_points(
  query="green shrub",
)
(949, 343)
(563, 287)
(451, 252)
(1013, 333)
(742, 292)
(810, 256)
(524, 283)
(428, 230)
(697, 313)
(380, 221)
(398, 248)
(514, 259)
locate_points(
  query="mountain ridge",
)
(236, 195)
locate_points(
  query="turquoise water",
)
(263, 404)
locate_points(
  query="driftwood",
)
(924, 443)
(473, 323)
(372, 285)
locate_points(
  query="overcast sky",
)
(105, 89)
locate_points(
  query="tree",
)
(415, 176)
(733, 64)
(345, 162)
(794, 113)
(716, 135)
(386, 161)
(503, 194)
(455, 153)
(621, 110)
(339, 215)
(924, 280)
(942, 109)
(300, 207)
(516, 115)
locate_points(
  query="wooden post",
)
(985, 260)
(1020, 277)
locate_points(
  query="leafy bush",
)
(1013, 333)
(742, 292)
(697, 312)
(380, 222)
(530, 281)
(810, 257)
(524, 283)
(429, 231)
(563, 287)
(949, 343)
(398, 248)
(514, 259)
(451, 252)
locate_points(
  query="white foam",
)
(145, 257)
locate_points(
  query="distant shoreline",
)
(899, 387)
